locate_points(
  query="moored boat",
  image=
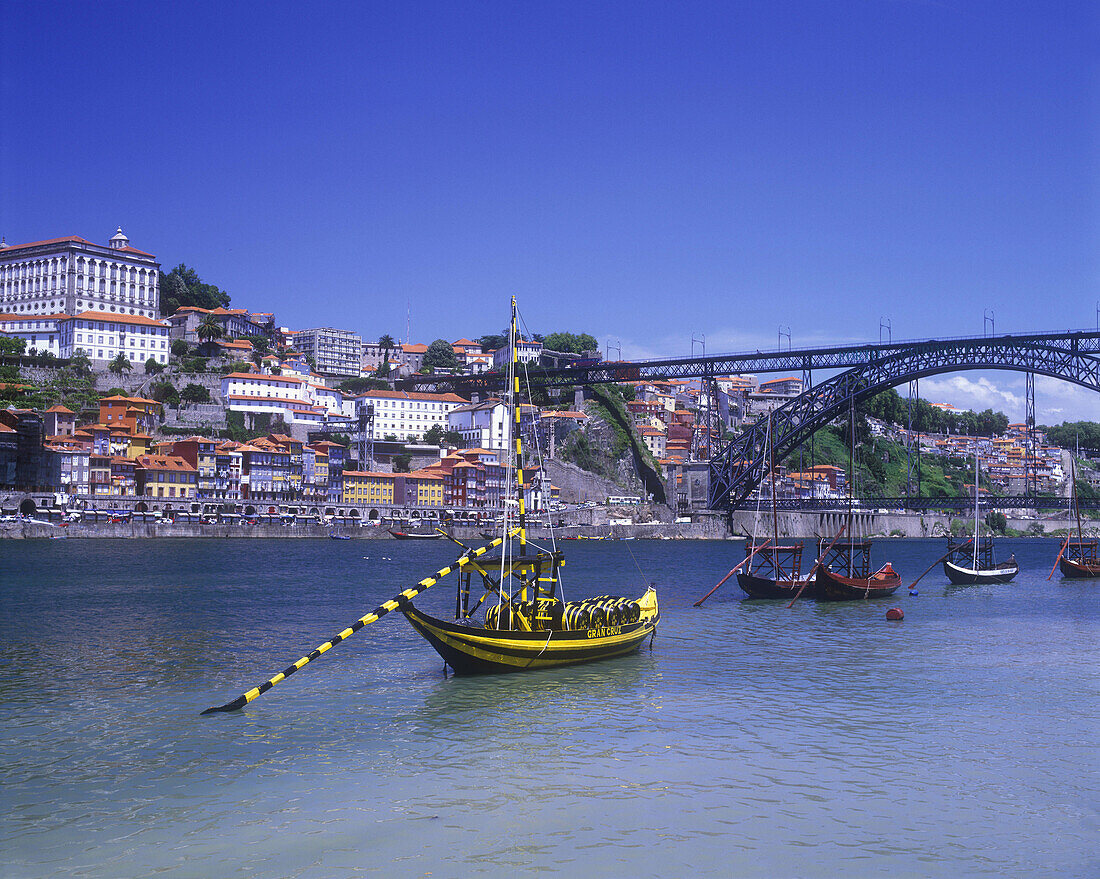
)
(844, 574)
(526, 623)
(1079, 560)
(969, 563)
(777, 574)
(413, 535)
(973, 562)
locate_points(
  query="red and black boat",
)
(844, 574)
(1079, 560)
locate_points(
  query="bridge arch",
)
(738, 467)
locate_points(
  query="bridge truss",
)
(738, 467)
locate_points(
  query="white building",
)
(299, 399)
(41, 332)
(488, 425)
(408, 414)
(528, 352)
(104, 336)
(334, 352)
(100, 335)
(70, 275)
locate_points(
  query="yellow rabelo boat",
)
(526, 623)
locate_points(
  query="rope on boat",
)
(818, 563)
(397, 601)
(733, 571)
(937, 561)
(1065, 543)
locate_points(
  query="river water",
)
(750, 740)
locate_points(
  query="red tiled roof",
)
(122, 318)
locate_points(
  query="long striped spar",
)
(371, 617)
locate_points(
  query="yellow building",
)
(363, 488)
(427, 488)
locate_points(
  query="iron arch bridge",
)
(738, 467)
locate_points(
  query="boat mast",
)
(852, 478)
(975, 503)
(1076, 505)
(513, 332)
(775, 514)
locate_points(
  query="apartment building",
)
(407, 414)
(333, 351)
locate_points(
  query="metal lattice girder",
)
(993, 502)
(799, 359)
(737, 469)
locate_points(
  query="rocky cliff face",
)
(606, 449)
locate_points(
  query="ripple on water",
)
(753, 739)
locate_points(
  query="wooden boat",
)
(339, 537)
(966, 566)
(412, 535)
(844, 574)
(777, 575)
(526, 624)
(1079, 560)
(777, 572)
(844, 566)
(972, 562)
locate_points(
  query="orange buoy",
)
(895, 613)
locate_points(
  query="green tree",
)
(120, 364)
(79, 362)
(363, 383)
(387, 344)
(12, 347)
(180, 348)
(493, 341)
(1069, 434)
(193, 393)
(452, 439)
(209, 328)
(440, 355)
(573, 343)
(259, 343)
(183, 287)
(153, 367)
(402, 462)
(433, 436)
(165, 392)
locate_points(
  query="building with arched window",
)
(72, 275)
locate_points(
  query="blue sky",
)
(643, 172)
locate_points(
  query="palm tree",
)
(120, 365)
(387, 344)
(209, 329)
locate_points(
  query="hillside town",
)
(318, 424)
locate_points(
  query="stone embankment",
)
(709, 529)
(704, 527)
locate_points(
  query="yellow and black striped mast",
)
(516, 408)
(397, 601)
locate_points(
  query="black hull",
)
(1074, 570)
(762, 587)
(960, 576)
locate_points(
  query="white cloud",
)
(967, 393)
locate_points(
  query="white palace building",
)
(68, 294)
(72, 275)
